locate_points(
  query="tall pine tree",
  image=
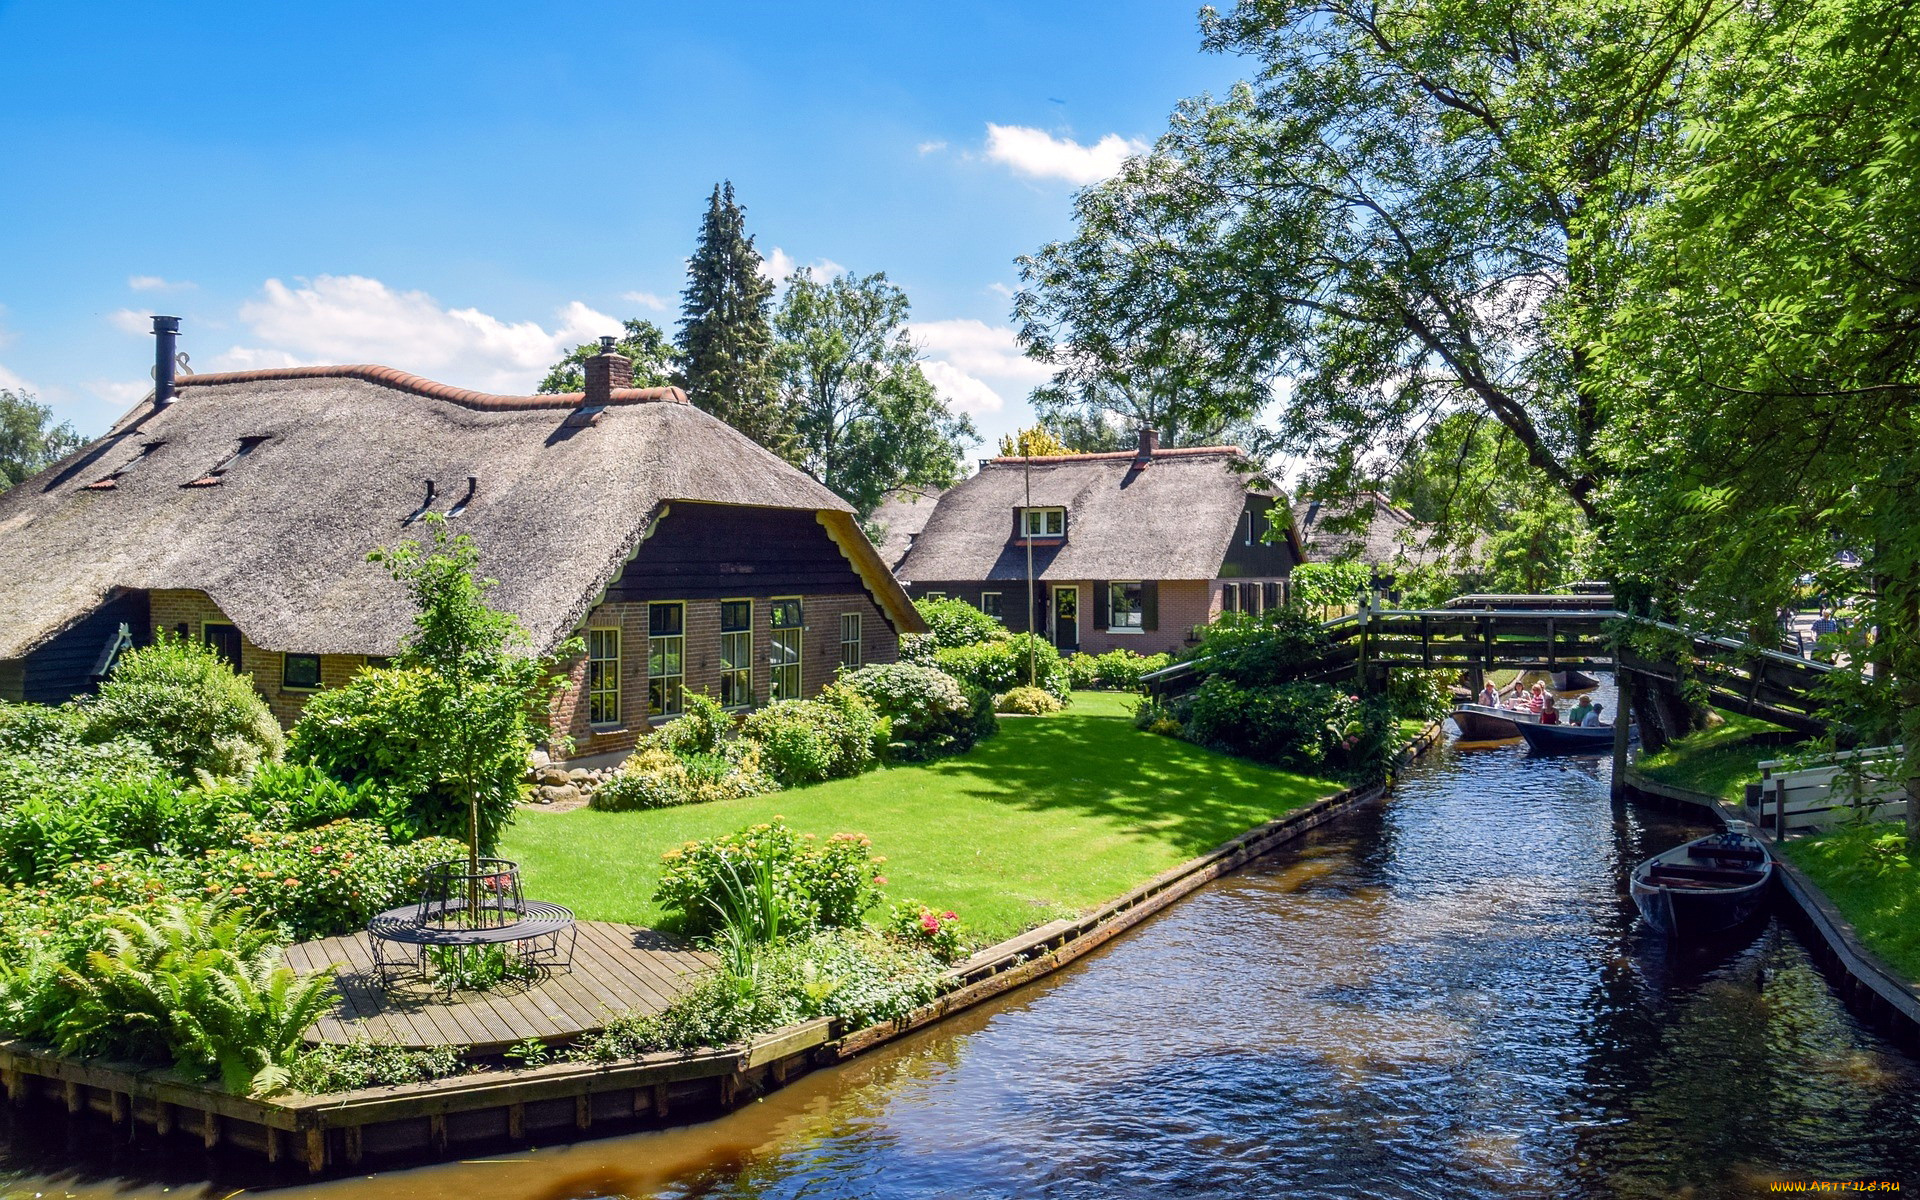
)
(726, 339)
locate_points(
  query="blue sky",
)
(463, 190)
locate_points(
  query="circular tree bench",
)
(461, 908)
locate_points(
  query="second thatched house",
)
(239, 509)
(1130, 550)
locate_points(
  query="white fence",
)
(1858, 784)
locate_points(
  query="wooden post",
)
(516, 1120)
(72, 1090)
(210, 1129)
(437, 1132)
(660, 1101)
(355, 1138)
(120, 1105)
(1618, 787)
(275, 1144)
(316, 1150)
(162, 1118)
(582, 1111)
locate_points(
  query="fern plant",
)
(200, 984)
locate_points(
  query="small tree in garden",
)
(1323, 585)
(483, 688)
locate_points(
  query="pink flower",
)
(949, 916)
(930, 923)
(879, 881)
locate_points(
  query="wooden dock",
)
(617, 969)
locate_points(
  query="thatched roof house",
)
(1368, 528)
(1130, 549)
(903, 513)
(244, 509)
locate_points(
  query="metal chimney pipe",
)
(166, 338)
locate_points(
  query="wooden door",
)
(1066, 618)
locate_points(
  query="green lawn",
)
(1870, 879)
(1052, 816)
(1720, 761)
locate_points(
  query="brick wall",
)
(819, 660)
(172, 610)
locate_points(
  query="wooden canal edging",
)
(1871, 988)
(563, 1101)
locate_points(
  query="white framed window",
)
(736, 653)
(1126, 611)
(936, 595)
(603, 676)
(784, 644)
(666, 657)
(990, 604)
(1045, 522)
(850, 641)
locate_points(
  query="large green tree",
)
(29, 440)
(642, 342)
(1764, 358)
(865, 418)
(726, 337)
(1394, 214)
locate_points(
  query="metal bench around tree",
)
(462, 906)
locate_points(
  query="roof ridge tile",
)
(431, 389)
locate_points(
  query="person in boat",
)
(1539, 700)
(1549, 712)
(1592, 719)
(1579, 714)
(1489, 698)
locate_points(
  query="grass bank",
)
(1867, 873)
(1720, 761)
(1052, 816)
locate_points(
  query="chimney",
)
(1149, 442)
(166, 337)
(605, 372)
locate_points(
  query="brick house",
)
(1130, 550)
(239, 509)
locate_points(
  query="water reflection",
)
(1444, 995)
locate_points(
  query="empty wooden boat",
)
(1707, 886)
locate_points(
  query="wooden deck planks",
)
(611, 975)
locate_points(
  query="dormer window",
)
(1045, 522)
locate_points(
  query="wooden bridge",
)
(1475, 634)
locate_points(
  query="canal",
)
(1443, 995)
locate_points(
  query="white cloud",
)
(1037, 153)
(1001, 290)
(779, 266)
(154, 283)
(963, 391)
(650, 300)
(131, 320)
(351, 318)
(979, 349)
(13, 382)
(931, 147)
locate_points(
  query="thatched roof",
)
(1386, 534)
(1172, 520)
(902, 514)
(562, 498)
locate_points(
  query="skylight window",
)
(213, 477)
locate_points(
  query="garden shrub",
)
(929, 711)
(324, 881)
(957, 623)
(198, 985)
(184, 700)
(1154, 715)
(366, 1062)
(921, 927)
(1002, 666)
(1120, 670)
(33, 728)
(918, 648)
(831, 882)
(1259, 651)
(655, 777)
(855, 976)
(1027, 701)
(292, 795)
(699, 729)
(1421, 695)
(1298, 726)
(1082, 669)
(377, 731)
(99, 817)
(57, 766)
(806, 741)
